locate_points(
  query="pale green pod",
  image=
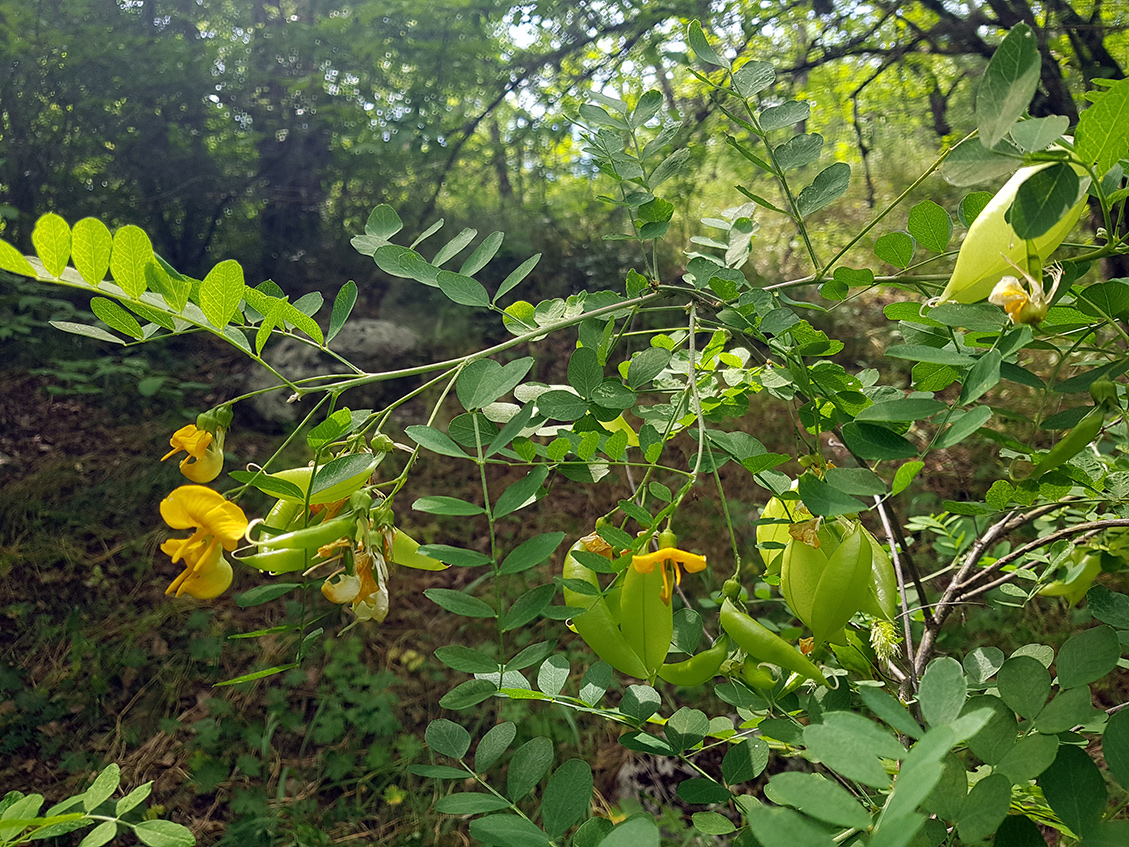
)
(991, 242)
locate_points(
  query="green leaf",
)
(341, 469)
(457, 556)
(962, 425)
(971, 205)
(440, 505)
(1110, 298)
(1018, 831)
(930, 225)
(1008, 85)
(494, 745)
(798, 151)
(164, 834)
(1088, 656)
(528, 606)
(871, 442)
(1115, 746)
(342, 307)
(1036, 134)
(517, 275)
(700, 791)
(584, 372)
(895, 248)
(1074, 788)
(483, 381)
(787, 114)
(115, 317)
(566, 798)
(531, 552)
(982, 377)
(131, 252)
(465, 659)
(670, 166)
(826, 500)
(560, 405)
(529, 763)
(454, 247)
(712, 823)
(850, 744)
(133, 799)
(459, 603)
(264, 593)
(13, 261)
(470, 803)
(105, 784)
(269, 485)
(507, 831)
(942, 691)
(405, 262)
(1108, 606)
(828, 186)
(640, 702)
(1103, 128)
(902, 409)
(634, 832)
(905, 475)
(467, 694)
(464, 290)
(101, 834)
(437, 442)
(753, 77)
(701, 47)
(172, 286)
(447, 738)
(553, 674)
(1029, 757)
(594, 684)
(522, 493)
(52, 240)
(1043, 200)
(686, 728)
(1024, 684)
(383, 222)
(982, 663)
(818, 797)
(970, 164)
(1068, 709)
(984, 808)
(94, 332)
(890, 711)
(220, 292)
(779, 827)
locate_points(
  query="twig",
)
(909, 684)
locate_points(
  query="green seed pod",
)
(825, 586)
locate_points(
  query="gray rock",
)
(373, 345)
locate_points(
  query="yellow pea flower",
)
(205, 452)
(215, 522)
(669, 559)
(371, 602)
(1025, 305)
(203, 578)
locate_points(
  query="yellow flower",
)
(203, 578)
(341, 588)
(216, 523)
(205, 452)
(1025, 305)
(669, 558)
(371, 601)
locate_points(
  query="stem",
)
(907, 632)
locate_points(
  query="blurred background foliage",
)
(266, 130)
